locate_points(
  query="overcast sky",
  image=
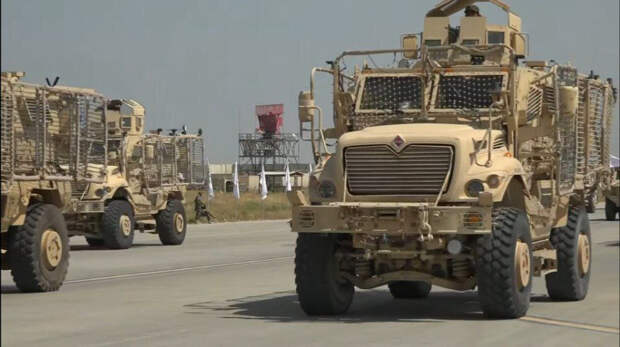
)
(207, 63)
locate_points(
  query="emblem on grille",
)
(398, 143)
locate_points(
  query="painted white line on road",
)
(143, 337)
(261, 221)
(191, 268)
(562, 323)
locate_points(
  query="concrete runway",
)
(232, 285)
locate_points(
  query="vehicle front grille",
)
(416, 170)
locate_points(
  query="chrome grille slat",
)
(416, 170)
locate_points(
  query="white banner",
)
(263, 183)
(287, 179)
(210, 193)
(236, 183)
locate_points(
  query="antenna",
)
(52, 84)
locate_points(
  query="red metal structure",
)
(270, 118)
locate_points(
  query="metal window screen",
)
(7, 115)
(568, 146)
(456, 92)
(152, 172)
(391, 93)
(168, 158)
(184, 172)
(197, 161)
(92, 144)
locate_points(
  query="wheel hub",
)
(51, 248)
(125, 223)
(522, 264)
(584, 254)
(179, 222)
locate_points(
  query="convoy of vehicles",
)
(57, 181)
(462, 166)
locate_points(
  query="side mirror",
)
(410, 43)
(150, 152)
(305, 106)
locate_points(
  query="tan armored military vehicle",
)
(145, 183)
(53, 142)
(456, 164)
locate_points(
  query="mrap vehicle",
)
(53, 142)
(457, 163)
(145, 182)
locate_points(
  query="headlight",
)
(102, 191)
(473, 187)
(493, 181)
(327, 189)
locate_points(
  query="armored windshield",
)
(391, 93)
(457, 92)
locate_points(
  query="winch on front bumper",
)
(391, 219)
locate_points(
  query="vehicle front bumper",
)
(391, 219)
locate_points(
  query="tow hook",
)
(425, 227)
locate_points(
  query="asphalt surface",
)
(232, 285)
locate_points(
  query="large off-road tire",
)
(574, 251)
(93, 242)
(504, 265)
(409, 289)
(38, 251)
(320, 288)
(171, 223)
(610, 210)
(117, 225)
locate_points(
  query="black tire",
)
(610, 210)
(170, 233)
(111, 229)
(499, 289)
(29, 267)
(569, 282)
(94, 242)
(320, 289)
(409, 289)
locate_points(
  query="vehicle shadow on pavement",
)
(368, 306)
(9, 289)
(77, 248)
(602, 220)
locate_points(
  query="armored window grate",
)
(6, 133)
(596, 130)
(581, 126)
(498, 143)
(549, 99)
(167, 148)
(534, 103)
(458, 92)
(391, 93)
(197, 161)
